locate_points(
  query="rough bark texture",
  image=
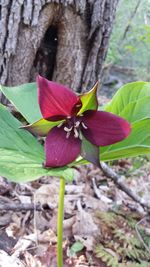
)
(64, 40)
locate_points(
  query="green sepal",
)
(41, 127)
(90, 152)
(89, 100)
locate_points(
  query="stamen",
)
(77, 123)
(84, 126)
(76, 134)
(58, 126)
(79, 105)
(81, 115)
(68, 117)
(68, 129)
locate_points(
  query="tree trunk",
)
(63, 40)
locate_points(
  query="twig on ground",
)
(21, 207)
(96, 190)
(122, 186)
(98, 194)
(35, 221)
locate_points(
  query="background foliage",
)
(130, 40)
(119, 245)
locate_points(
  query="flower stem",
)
(60, 223)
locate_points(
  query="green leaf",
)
(131, 102)
(137, 110)
(24, 98)
(127, 94)
(89, 100)
(137, 143)
(76, 247)
(21, 156)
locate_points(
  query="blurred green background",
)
(130, 40)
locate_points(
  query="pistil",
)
(74, 125)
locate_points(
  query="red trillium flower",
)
(73, 126)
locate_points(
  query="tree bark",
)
(63, 40)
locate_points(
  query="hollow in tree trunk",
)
(65, 41)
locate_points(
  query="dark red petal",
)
(104, 128)
(55, 99)
(61, 150)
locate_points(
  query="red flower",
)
(72, 124)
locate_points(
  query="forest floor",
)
(103, 227)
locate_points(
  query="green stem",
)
(60, 223)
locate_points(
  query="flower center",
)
(73, 125)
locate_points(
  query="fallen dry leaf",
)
(47, 194)
(84, 228)
(10, 261)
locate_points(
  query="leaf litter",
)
(97, 214)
